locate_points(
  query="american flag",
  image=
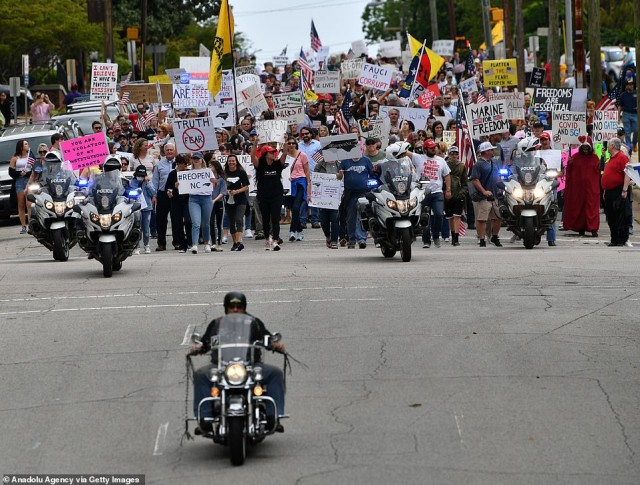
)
(305, 71)
(463, 138)
(350, 54)
(462, 228)
(145, 120)
(340, 124)
(471, 68)
(317, 156)
(31, 161)
(315, 40)
(126, 80)
(608, 103)
(481, 98)
(124, 98)
(284, 51)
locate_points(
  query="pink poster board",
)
(86, 151)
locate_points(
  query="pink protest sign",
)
(86, 151)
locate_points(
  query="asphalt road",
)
(467, 365)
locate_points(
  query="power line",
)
(308, 6)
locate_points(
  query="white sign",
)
(633, 171)
(359, 48)
(280, 61)
(203, 51)
(196, 64)
(351, 69)
(513, 101)
(605, 125)
(286, 175)
(443, 48)
(245, 161)
(225, 95)
(374, 128)
(104, 81)
(194, 135)
(321, 57)
(327, 82)
(567, 126)
(245, 80)
(390, 49)
(195, 182)
(326, 191)
(375, 77)
(340, 147)
(271, 130)
(288, 106)
(191, 96)
(417, 116)
(552, 158)
(253, 100)
(223, 115)
(468, 85)
(487, 118)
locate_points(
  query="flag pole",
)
(461, 105)
(233, 65)
(413, 84)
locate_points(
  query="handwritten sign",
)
(513, 101)
(253, 100)
(326, 191)
(605, 125)
(195, 182)
(225, 95)
(104, 81)
(271, 130)
(500, 73)
(374, 128)
(288, 106)
(376, 77)
(327, 82)
(86, 151)
(552, 99)
(417, 116)
(351, 69)
(147, 92)
(280, 61)
(567, 126)
(449, 137)
(194, 134)
(443, 48)
(390, 48)
(468, 85)
(487, 118)
(191, 96)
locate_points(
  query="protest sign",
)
(271, 130)
(160, 78)
(514, 103)
(351, 69)
(175, 74)
(147, 92)
(194, 134)
(253, 100)
(390, 48)
(552, 99)
(500, 73)
(195, 182)
(86, 151)
(242, 70)
(321, 57)
(605, 125)
(197, 66)
(449, 137)
(487, 118)
(567, 126)
(552, 158)
(245, 161)
(326, 191)
(579, 100)
(468, 86)
(359, 47)
(226, 94)
(245, 80)
(223, 115)
(374, 128)
(340, 147)
(127, 155)
(288, 106)
(191, 96)
(536, 79)
(327, 82)
(375, 77)
(633, 171)
(417, 116)
(280, 61)
(443, 48)
(104, 81)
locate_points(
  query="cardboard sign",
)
(280, 61)
(443, 48)
(288, 106)
(536, 79)
(468, 85)
(605, 125)
(351, 69)
(245, 80)
(340, 147)
(195, 182)
(487, 118)
(375, 77)
(104, 81)
(191, 96)
(245, 161)
(327, 82)
(513, 101)
(175, 74)
(271, 130)
(253, 100)
(552, 99)
(567, 126)
(390, 48)
(449, 137)
(500, 73)
(194, 134)
(223, 115)
(86, 151)
(147, 92)
(326, 191)
(374, 128)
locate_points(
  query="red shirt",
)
(613, 175)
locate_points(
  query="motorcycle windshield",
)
(57, 180)
(527, 168)
(236, 329)
(106, 189)
(397, 175)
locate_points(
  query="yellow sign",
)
(163, 78)
(500, 73)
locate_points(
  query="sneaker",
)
(207, 248)
(362, 245)
(315, 225)
(304, 226)
(154, 235)
(446, 239)
(292, 236)
(628, 244)
(482, 243)
(495, 240)
(351, 245)
(436, 242)
(275, 246)
(161, 248)
(343, 242)
(258, 236)
(136, 252)
(23, 230)
(551, 243)
(224, 240)
(426, 245)
(194, 249)
(182, 251)
(513, 239)
(147, 250)
(240, 246)
(300, 236)
(334, 245)
(248, 234)
(218, 249)
(267, 245)
(234, 247)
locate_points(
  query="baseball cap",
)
(485, 147)
(545, 136)
(453, 149)
(429, 144)
(621, 131)
(197, 155)
(253, 132)
(141, 171)
(266, 149)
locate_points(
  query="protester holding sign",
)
(300, 183)
(236, 202)
(180, 218)
(201, 205)
(329, 217)
(270, 191)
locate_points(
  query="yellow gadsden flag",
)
(221, 53)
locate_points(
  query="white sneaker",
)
(218, 249)
(207, 248)
(224, 240)
(300, 236)
(147, 250)
(628, 244)
(267, 244)
(292, 236)
(248, 234)
(194, 249)
(513, 239)
(136, 252)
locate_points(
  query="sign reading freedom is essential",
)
(195, 182)
(487, 118)
(605, 125)
(326, 82)
(568, 126)
(500, 73)
(340, 147)
(376, 77)
(552, 99)
(351, 69)
(191, 96)
(87, 151)
(271, 130)
(104, 81)
(326, 191)
(194, 135)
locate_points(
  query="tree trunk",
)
(434, 19)
(520, 46)
(595, 63)
(554, 43)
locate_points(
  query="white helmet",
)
(528, 144)
(395, 149)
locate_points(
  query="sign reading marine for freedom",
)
(567, 126)
(375, 77)
(194, 135)
(552, 99)
(487, 118)
(340, 147)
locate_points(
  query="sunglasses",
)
(292, 144)
(42, 152)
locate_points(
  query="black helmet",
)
(111, 163)
(52, 157)
(236, 298)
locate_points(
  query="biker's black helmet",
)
(110, 164)
(234, 298)
(52, 157)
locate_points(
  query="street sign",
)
(25, 64)
(14, 86)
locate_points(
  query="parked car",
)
(611, 57)
(84, 119)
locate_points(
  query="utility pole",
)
(508, 37)
(520, 45)
(594, 48)
(143, 35)
(453, 29)
(108, 31)
(434, 19)
(568, 16)
(554, 43)
(579, 45)
(488, 40)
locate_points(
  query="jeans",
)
(163, 209)
(146, 231)
(329, 223)
(551, 233)
(273, 379)
(248, 215)
(215, 223)
(630, 123)
(354, 226)
(296, 224)
(152, 222)
(305, 209)
(436, 203)
(257, 215)
(181, 222)
(200, 207)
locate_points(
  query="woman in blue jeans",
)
(200, 207)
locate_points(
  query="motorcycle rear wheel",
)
(237, 441)
(529, 233)
(405, 245)
(60, 246)
(106, 254)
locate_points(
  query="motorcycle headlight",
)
(391, 204)
(538, 192)
(235, 374)
(48, 205)
(412, 203)
(117, 217)
(95, 218)
(105, 221)
(518, 193)
(59, 207)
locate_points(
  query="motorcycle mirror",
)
(77, 209)
(276, 337)
(370, 197)
(196, 338)
(31, 198)
(267, 341)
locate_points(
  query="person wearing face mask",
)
(148, 192)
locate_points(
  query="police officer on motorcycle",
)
(236, 302)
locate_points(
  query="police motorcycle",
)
(392, 211)
(111, 219)
(527, 202)
(52, 221)
(238, 401)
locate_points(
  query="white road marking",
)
(160, 438)
(458, 426)
(36, 446)
(187, 334)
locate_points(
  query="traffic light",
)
(497, 14)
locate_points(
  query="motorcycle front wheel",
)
(529, 233)
(405, 245)
(387, 252)
(237, 441)
(60, 246)
(106, 254)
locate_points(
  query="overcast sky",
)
(273, 24)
